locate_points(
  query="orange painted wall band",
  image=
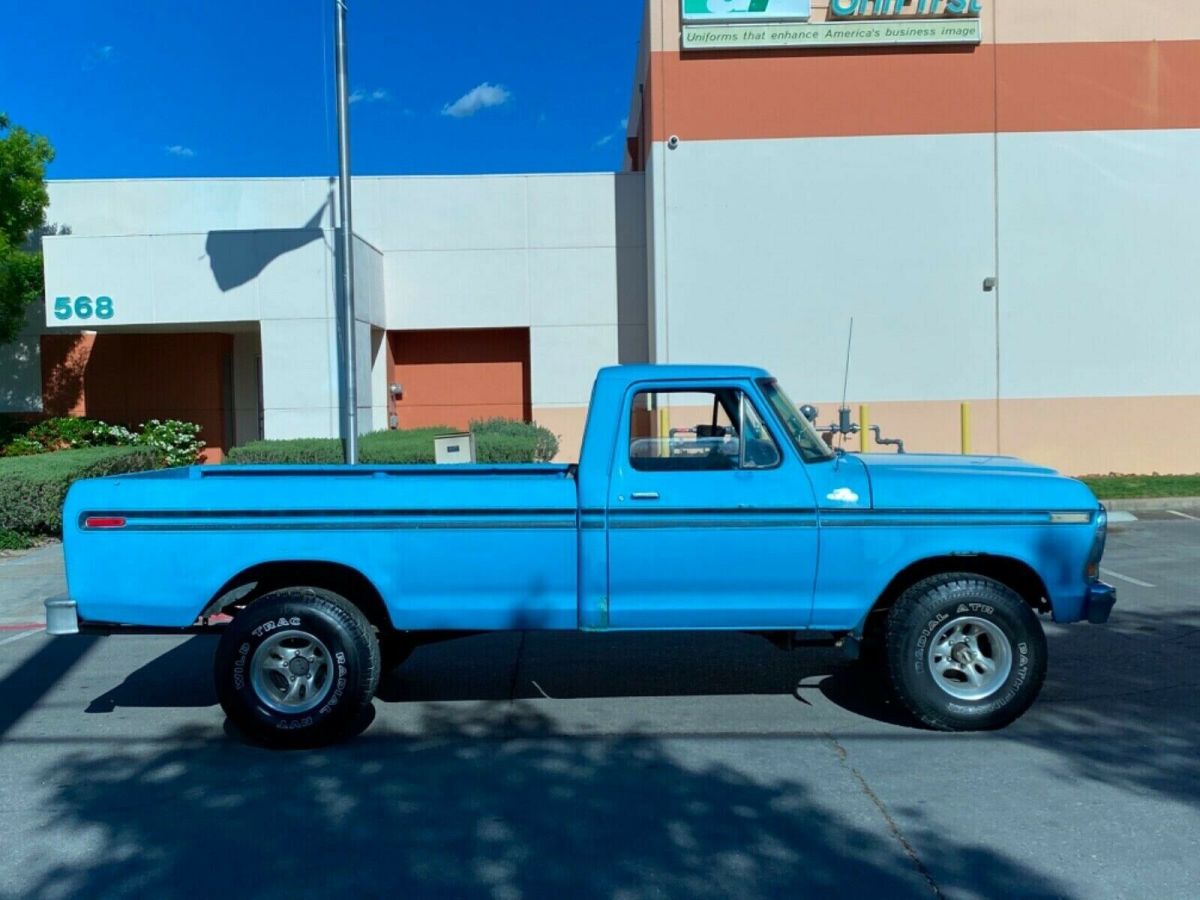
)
(943, 90)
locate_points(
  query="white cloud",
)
(180, 150)
(608, 138)
(480, 97)
(375, 96)
(98, 56)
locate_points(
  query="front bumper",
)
(1099, 604)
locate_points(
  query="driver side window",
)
(688, 431)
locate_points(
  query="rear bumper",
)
(61, 616)
(1099, 604)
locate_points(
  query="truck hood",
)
(946, 481)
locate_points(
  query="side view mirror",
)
(809, 412)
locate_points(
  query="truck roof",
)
(626, 374)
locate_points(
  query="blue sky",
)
(150, 88)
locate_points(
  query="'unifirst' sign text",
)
(897, 7)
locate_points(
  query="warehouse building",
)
(1001, 194)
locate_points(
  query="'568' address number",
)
(83, 308)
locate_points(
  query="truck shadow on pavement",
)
(484, 801)
(1119, 706)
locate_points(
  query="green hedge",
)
(1120, 487)
(496, 441)
(32, 488)
(12, 540)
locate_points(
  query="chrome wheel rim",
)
(291, 672)
(970, 658)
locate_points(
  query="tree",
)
(23, 200)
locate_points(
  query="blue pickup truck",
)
(703, 499)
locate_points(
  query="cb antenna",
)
(846, 379)
(845, 426)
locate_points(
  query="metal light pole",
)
(345, 257)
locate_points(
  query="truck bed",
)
(467, 547)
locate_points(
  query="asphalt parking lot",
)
(533, 765)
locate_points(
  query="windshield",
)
(806, 439)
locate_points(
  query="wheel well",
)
(1008, 571)
(250, 584)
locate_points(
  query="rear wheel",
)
(965, 652)
(298, 667)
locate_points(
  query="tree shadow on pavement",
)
(1121, 706)
(487, 801)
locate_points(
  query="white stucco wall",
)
(563, 255)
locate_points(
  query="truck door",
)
(711, 518)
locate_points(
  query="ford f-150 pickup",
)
(702, 499)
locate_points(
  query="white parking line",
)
(20, 636)
(1176, 512)
(1117, 575)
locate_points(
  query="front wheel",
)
(298, 667)
(965, 652)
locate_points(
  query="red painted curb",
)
(24, 626)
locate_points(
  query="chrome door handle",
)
(644, 495)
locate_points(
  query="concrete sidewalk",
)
(1154, 504)
(26, 580)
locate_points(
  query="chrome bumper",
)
(61, 617)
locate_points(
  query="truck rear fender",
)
(1013, 573)
(252, 583)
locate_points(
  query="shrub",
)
(64, 433)
(507, 440)
(32, 488)
(14, 425)
(173, 443)
(327, 451)
(496, 441)
(23, 446)
(12, 540)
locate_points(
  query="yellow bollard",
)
(864, 428)
(664, 431)
(965, 416)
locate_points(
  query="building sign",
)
(83, 308)
(852, 23)
(743, 10)
(833, 34)
(907, 8)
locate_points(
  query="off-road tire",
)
(347, 650)
(935, 606)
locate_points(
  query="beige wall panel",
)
(1064, 21)
(567, 422)
(1076, 435)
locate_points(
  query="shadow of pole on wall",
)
(238, 256)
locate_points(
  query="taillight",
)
(104, 522)
(1092, 571)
